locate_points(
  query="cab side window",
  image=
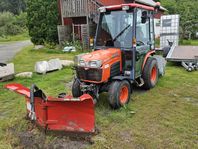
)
(142, 30)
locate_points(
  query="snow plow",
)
(64, 113)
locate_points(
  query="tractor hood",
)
(101, 55)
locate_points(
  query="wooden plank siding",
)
(78, 8)
(111, 2)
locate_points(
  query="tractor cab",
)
(129, 28)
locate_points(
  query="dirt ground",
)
(37, 138)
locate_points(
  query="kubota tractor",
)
(123, 55)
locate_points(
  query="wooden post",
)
(73, 32)
(88, 34)
(61, 8)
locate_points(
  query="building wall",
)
(68, 21)
(111, 2)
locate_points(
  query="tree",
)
(13, 6)
(42, 21)
(188, 15)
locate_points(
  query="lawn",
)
(189, 42)
(164, 117)
(19, 37)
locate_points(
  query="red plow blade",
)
(62, 114)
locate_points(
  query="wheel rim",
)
(124, 94)
(154, 74)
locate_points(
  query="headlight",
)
(77, 59)
(95, 64)
(82, 63)
(102, 9)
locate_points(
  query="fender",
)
(146, 57)
(120, 78)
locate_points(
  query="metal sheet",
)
(183, 53)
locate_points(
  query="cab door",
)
(143, 40)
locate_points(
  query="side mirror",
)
(144, 17)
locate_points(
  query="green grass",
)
(181, 42)
(189, 42)
(164, 117)
(20, 37)
(27, 58)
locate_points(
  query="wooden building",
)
(79, 17)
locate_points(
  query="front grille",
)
(115, 69)
(89, 74)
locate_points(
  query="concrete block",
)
(6, 70)
(54, 64)
(37, 47)
(24, 75)
(66, 63)
(46, 66)
(41, 67)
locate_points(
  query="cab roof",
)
(145, 4)
(150, 3)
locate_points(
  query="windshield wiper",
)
(116, 37)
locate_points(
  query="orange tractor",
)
(123, 55)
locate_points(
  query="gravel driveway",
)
(9, 50)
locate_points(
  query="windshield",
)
(115, 29)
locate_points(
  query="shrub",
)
(42, 20)
(11, 24)
(21, 20)
(6, 18)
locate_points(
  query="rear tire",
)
(119, 94)
(76, 92)
(150, 73)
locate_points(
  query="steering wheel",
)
(140, 43)
(109, 43)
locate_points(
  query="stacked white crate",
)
(169, 30)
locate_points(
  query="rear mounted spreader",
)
(62, 114)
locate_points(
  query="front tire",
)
(76, 92)
(150, 73)
(119, 94)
